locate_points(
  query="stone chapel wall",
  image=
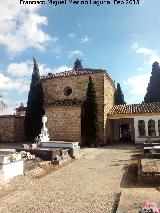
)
(109, 91)
(53, 90)
(64, 122)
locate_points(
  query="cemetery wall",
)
(11, 128)
(54, 90)
(64, 122)
(19, 129)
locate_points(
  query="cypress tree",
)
(153, 89)
(119, 96)
(78, 64)
(35, 111)
(91, 110)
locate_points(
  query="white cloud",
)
(137, 85)
(7, 111)
(62, 68)
(151, 55)
(10, 84)
(20, 69)
(144, 51)
(140, 68)
(21, 27)
(17, 81)
(44, 70)
(85, 39)
(25, 68)
(74, 53)
(71, 35)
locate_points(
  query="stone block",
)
(5, 159)
(74, 151)
(60, 144)
(64, 153)
(11, 169)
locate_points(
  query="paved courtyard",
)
(85, 185)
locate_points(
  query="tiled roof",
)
(65, 102)
(136, 108)
(77, 72)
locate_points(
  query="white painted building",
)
(136, 122)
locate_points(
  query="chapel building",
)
(64, 96)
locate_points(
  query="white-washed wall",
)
(146, 118)
(138, 138)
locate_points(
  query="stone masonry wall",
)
(11, 128)
(108, 104)
(53, 90)
(19, 129)
(7, 129)
(64, 122)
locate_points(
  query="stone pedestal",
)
(60, 144)
(11, 165)
(11, 169)
(73, 147)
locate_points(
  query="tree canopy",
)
(119, 96)
(153, 89)
(78, 64)
(35, 111)
(91, 110)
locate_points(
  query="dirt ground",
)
(134, 193)
(86, 185)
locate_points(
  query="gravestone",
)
(11, 164)
(73, 147)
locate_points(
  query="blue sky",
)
(123, 39)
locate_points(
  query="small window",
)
(151, 128)
(141, 128)
(67, 91)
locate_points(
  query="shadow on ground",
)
(130, 177)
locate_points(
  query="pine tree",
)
(91, 120)
(153, 89)
(35, 111)
(119, 97)
(78, 64)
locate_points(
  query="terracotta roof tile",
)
(77, 72)
(135, 108)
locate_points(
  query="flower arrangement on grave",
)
(15, 156)
(149, 207)
(27, 155)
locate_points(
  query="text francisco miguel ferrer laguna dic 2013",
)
(81, 2)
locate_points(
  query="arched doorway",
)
(125, 132)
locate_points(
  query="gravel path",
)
(83, 186)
